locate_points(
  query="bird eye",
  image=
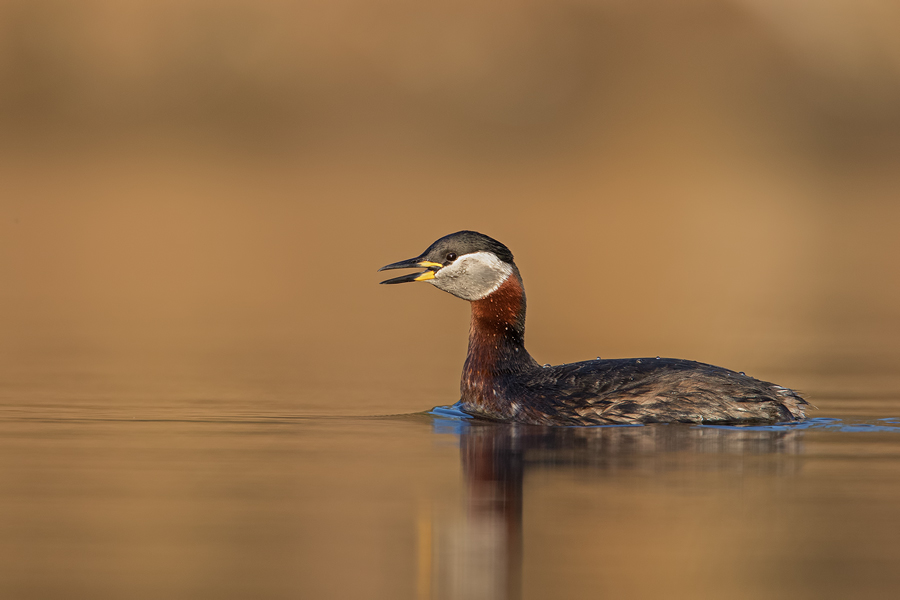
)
(451, 256)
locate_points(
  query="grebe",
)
(501, 381)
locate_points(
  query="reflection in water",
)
(480, 555)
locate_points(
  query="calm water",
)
(235, 496)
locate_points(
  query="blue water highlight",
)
(449, 419)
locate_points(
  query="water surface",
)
(211, 499)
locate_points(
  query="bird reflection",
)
(479, 554)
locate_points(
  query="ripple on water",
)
(889, 424)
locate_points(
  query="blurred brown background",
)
(195, 196)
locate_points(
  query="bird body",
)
(501, 380)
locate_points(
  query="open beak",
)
(412, 263)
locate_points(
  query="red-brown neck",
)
(496, 342)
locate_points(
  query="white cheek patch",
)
(473, 276)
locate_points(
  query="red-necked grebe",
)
(501, 381)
